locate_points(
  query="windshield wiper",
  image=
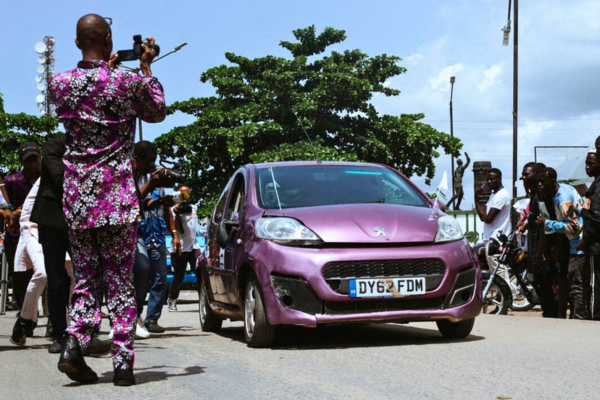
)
(379, 200)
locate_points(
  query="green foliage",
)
(16, 129)
(261, 105)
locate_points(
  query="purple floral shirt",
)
(98, 107)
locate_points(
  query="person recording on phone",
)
(186, 222)
(98, 106)
(496, 215)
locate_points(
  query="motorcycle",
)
(507, 285)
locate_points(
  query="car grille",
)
(375, 306)
(361, 269)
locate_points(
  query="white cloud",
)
(491, 77)
(442, 80)
(414, 59)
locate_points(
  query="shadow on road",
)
(350, 336)
(147, 375)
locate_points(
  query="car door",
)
(233, 251)
(216, 254)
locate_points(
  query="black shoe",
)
(30, 327)
(123, 377)
(154, 327)
(19, 334)
(71, 362)
(98, 346)
(56, 346)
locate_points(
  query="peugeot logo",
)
(379, 231)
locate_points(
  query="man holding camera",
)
(98, 106)
(150, 269)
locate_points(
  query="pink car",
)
(306, 243)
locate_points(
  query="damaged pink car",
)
(306, 243)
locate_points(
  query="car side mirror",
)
(222, 234)
(224, 231)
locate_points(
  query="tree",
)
(261, 106)
(16, 129)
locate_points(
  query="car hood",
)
(364, 223)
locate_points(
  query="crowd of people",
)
(99, 201)
(562, 231)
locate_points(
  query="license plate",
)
(387, 287)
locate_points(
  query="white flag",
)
(440, 194)
(442, 189)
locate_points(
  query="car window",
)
(235, 205)
(218, 215)
(308, 186)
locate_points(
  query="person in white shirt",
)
(29, 255)
(496, 215)
(186, 221)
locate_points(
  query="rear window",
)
(308, 186)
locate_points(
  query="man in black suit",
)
(54, 238)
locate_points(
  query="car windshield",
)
(308, 186)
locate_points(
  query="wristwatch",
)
(6, 207)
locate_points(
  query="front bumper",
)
(296, 293)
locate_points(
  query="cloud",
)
(443, 77)
(491, 77)
(414, 59)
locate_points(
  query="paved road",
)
(518, 357)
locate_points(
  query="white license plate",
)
(387, 287)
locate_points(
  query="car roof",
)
(313, 163)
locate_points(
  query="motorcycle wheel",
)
(498, 297)
(519, 300)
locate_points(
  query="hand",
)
(176, 208)
(581, 246)
(478, 189)
(10, 219)
(160, 178)
(541, 220)
(114, 61)
(147, 56)
(167, 200)
(177, 244)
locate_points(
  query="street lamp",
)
(452, 79)
(506, 31)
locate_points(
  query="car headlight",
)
(286, 231)
(448, 229)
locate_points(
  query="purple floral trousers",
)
(105, 256)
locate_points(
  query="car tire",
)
(209, 321)
(456, 330)
(258, 331)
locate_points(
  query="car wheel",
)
(209, 321)
(258, 331)
(456, 330)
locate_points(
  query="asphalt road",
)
(518, 356)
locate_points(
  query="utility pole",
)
(515, 98)
(515, 113)
(452, 79)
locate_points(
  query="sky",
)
(559, 60)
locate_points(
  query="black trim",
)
(220, 271)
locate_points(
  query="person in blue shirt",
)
(569, 222)
(150, 269)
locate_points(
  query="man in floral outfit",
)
(98, 106)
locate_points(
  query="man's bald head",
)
(94, 37)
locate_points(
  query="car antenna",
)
(309, 141)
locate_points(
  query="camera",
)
(173, 175)
(136, 53)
